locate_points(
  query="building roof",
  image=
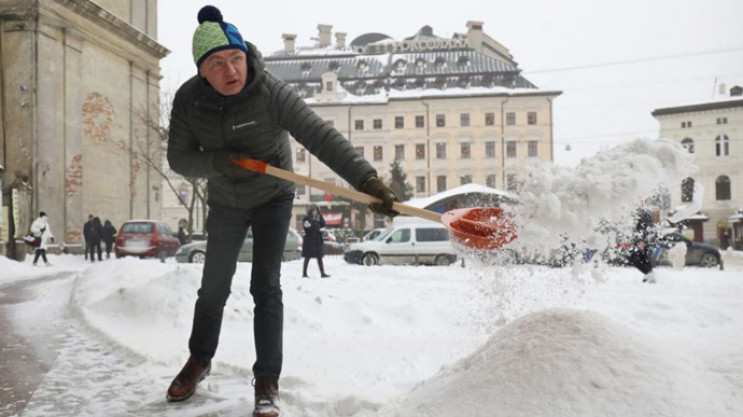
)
(730, 102)
(376, 65)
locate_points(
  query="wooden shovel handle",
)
(264, 168)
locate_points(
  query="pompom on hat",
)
(214, 34)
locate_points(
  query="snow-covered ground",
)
(387, 341)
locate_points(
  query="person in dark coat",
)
(109, 235)
(312, 243)
(639, 255)
(182, 238)
(230, 110)
(95, 234)
(86, 234)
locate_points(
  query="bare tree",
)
(155, 158)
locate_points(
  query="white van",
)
(409, 241)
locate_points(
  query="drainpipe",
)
(552, 133)
(428, 146)
(503, 141)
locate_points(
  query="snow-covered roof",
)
(462, 189)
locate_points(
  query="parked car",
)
(145, 238)
(407, 241)
(697, 253)
(196, 252)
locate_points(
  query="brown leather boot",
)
(266, 398)
(184, 385)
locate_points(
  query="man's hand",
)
(223, 164)
(375, 187)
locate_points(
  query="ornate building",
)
(79, 82)
(713, 131)
(450, 111)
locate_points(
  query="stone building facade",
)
(450, 111)
(713, 131)
(79, 82)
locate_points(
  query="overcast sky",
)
(663, 52)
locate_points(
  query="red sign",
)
(332, 218)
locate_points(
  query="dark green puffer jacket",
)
(256, 121)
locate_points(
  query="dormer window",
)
(440, 82)
(420, 82)
(463, 61)
(306, 67)
(440, 62)
(334, 66)
(420, 63)
(362, 65)
(400, 65)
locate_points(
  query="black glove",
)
(375, 187)
(223, 164)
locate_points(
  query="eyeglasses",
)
(220, 64)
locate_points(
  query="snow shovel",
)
(481, 228)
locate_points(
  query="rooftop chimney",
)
(475, 35)
(288, 41)
(324, 37)
(340, 39)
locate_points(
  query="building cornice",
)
(717, 105)
(109, 21)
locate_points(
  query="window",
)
(531, 118)
(420, 121)
(400, 236)
(465, 179)
(377, 124)
(329, 86)
(722, 120)
(687, 190)
(722, 145)
(420, 151)
(420, 184)
(378, 153)
(490, 119)
(490, 180)
(533, 150)
(399, 122)
(512, 182)
(440, 120)
(688, 144)
(466, 150)
(399, 152)
(722, 188)
(510, 118)
(301, 155)
(358, 124)
(360, 150)
(490, 149)
(441, 151)
(464, 119)
(511, 149)
(685, 125)
(433, 234)
(441, 183)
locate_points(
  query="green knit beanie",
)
(214, 34)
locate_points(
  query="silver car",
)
(196, 252)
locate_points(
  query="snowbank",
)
(565, 363)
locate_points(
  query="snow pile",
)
(564, 363)
(561, 203)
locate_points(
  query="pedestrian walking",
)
(40, 228)
(312, 244)
(232, 109)
(109, 235)
(86, 234)
(95, 235)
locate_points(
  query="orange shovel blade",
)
(482, 228)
